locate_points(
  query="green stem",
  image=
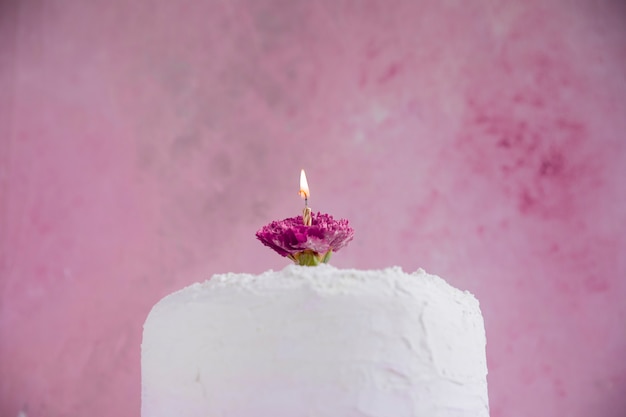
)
(310, 258)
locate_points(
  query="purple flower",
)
(291, 238)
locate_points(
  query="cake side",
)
(315, 341)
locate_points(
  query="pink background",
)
(142, 143)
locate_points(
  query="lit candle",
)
(304, 193)
(309, 239)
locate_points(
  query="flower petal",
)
(290, 236)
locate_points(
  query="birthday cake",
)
(316, 341)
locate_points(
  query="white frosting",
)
(316, 341)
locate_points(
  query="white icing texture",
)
(316, 341)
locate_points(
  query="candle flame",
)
(304, 186)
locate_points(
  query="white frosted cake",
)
(315, 341)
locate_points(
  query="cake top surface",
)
(326, 280)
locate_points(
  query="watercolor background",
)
(143, 143)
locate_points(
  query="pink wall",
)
(143, 143)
